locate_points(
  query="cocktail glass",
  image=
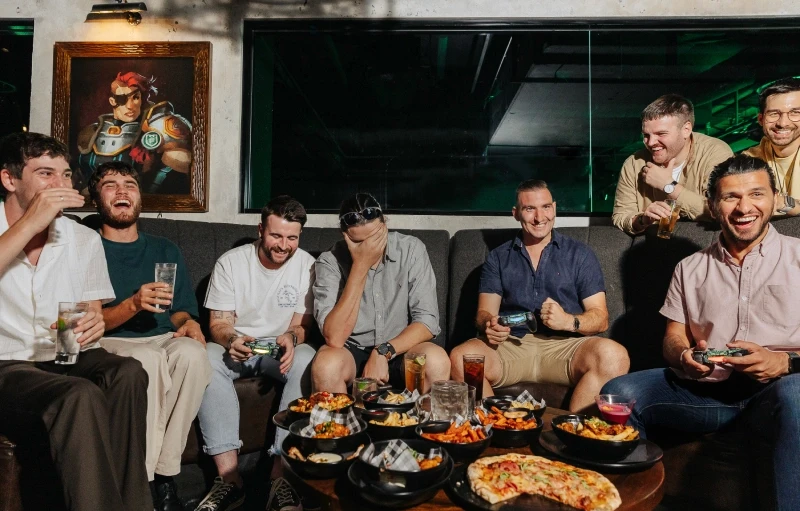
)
(615, 408)
(415, 371)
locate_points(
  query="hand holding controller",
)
(518, 319)
(266, 346)
(708, 357)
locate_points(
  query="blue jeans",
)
(773, 410)
(219, 411)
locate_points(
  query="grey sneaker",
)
(222, 497)
(282, 497)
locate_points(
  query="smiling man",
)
(779, 117)
(737, 293)
(152, 323)
(559, 279)
(674, 164)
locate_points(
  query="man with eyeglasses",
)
(779, 117)
(374, 299)
(261, 289)
(674, 164)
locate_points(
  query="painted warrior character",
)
(153, 139)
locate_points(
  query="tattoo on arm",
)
(221, 326)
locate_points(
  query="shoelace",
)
(284, 495)
(216, 495)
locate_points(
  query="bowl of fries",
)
(392, 399)
(313, 464)
(387, 424)
(430, 469)
(594, 437)
(511, 427)
(301, 407)
(463, 443)
(503, 402)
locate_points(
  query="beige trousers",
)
(179, 372)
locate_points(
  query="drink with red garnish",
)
(615, 408)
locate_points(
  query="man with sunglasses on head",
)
(374, 299)
(779, 117)
(261, 289)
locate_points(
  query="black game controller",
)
(265, 346)
(518, 319)
(712, 356)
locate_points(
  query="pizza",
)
(499, 478)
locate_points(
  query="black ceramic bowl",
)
(341, 444)
(371, 401)
(591, 447)
(380, 432)
(503, 402)
(410, 481)
(293, 416)
(384, 497)
(509, 438)
(311, 470)
(459, 452)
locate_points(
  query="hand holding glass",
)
(67, 347)
(166, 273)
(666, 225)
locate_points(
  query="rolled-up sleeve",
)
(422, 302)
(626, 201)
(674, 307)
(327, 282)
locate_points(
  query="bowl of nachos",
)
(594, 437)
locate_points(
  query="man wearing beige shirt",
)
(779, 117)
(674, 164)
(737, 293)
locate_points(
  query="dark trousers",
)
(93, 416)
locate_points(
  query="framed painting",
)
(146, 103)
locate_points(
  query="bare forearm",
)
(179, 318)
(674, 345)
(411, 335)
(481, 318)
(119, 314)
(342, 319)
(593, 321)
(221, 326)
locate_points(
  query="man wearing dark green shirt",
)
(152, 323)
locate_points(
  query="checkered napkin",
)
(320, 415)
(398, 456)
(460, 420)
(408, 397)
(526, 397)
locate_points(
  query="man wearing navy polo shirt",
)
(559, 279)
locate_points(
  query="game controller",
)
(713, 356)
(265, 346)
(519, 319)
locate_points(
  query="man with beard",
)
(779, 117)
(674, 164)
(262, 289)
(737, 293)
(152, 323)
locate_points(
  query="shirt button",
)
(744, 298)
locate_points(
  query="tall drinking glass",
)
(67, 347)
(360, 387)
(666, 225)
(473, 373)
(166, 273)
(415, 371)
(448, 399)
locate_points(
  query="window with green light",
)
(448, 117)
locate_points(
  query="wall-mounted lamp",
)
(121, 10)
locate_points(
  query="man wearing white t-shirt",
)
(674, 164)
(257, 290)
(90, 414)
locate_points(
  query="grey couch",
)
(703, 472)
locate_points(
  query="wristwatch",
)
(294, 338)
(788, 204)
(387, 350)
(576, 323)
(794, 362)
(670, 187)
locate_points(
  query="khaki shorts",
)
(537, 358)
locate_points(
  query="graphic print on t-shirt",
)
(287, 296)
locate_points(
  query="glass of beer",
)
(473, 373)
(666, 225)
(415, 371)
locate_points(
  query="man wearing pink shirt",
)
(737, 293)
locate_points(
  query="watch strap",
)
(576, 323)
(794, 362)
(788, 204)
(671, 186)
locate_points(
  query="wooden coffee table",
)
(640, 491)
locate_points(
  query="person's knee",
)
(611, 358)
(328, 365)
(457, 362)
(437, 363)
(622, 385)
(787, 393)
(303, 355)
(191, 356)
(129, 371)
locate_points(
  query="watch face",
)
(669, 188)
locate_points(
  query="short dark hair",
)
(17, 148)
(110, 167)
(529, 185)
(285, 207)
(782, 86)
(357, 203)
(739, 164)
(669, 105)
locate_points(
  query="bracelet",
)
(680, 359)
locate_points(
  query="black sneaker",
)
(222, 497)
(282, 497)
(165, 495)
